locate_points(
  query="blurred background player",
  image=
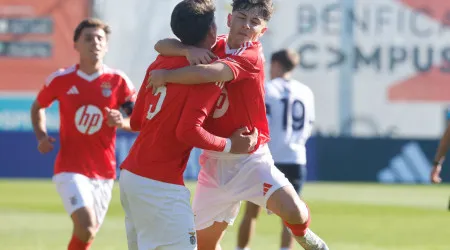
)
(439, 158)
(290, 111)
(89, 95)
(225, 180)
(170, 118)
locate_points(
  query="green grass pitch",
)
(347, 216)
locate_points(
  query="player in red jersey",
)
(90, 95)
(153, 195)
(225, 179)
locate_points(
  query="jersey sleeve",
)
(200, 102)
(128, 91)
(49, 92)
(137, 115)
(241, 67)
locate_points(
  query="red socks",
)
(299, 229)
(77, 244)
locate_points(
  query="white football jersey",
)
(290, 112)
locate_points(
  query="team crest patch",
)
(106, 89)
(192, 238)
(73, 200)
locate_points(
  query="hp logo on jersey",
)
(88, 119)
(222, 104)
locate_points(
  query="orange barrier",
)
(36, 40)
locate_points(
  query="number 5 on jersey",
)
(156, 104)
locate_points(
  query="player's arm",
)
(203, 73)
(115, 119)
(127, 98)
(127, 108)
(440, 156)
(126, 125)
(173, 47)
(189, 130)
(38, 118)
(197, 108)
(223, 70)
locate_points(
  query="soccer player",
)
(153, 195)
(440, 157)
(90, 95)
(290, 111)
(225, 180)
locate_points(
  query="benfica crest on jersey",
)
(106, 89)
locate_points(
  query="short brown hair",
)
(265, 7)
(192, 19)
(288, 59)
(91, 23)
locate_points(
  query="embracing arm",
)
(173, 47)
(204, 73)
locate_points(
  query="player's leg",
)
(76, 191)
(160, 213)
(212, 216)
(207, 238)
(287, 240)
(296, 174)
(214, 205)
(179, 231)
(102, 197)
(84, 228)
(248, 224)
(210, 237)
(279, 196)
(140, 221)
(129, 224)
(296, 216)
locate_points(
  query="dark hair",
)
(265, 7)
(91, 23)
(288, 59)
(192, 19)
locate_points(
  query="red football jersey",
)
(242, 100)
(170, 124)
(87, 142)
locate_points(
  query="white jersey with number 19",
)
(290, 112)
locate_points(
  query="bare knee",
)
(85, 225)
(294, 214)
(209, 238)
(285, 203)
(86, 233)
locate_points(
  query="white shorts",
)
(77, 191)
(226, 179)
(158, 215)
